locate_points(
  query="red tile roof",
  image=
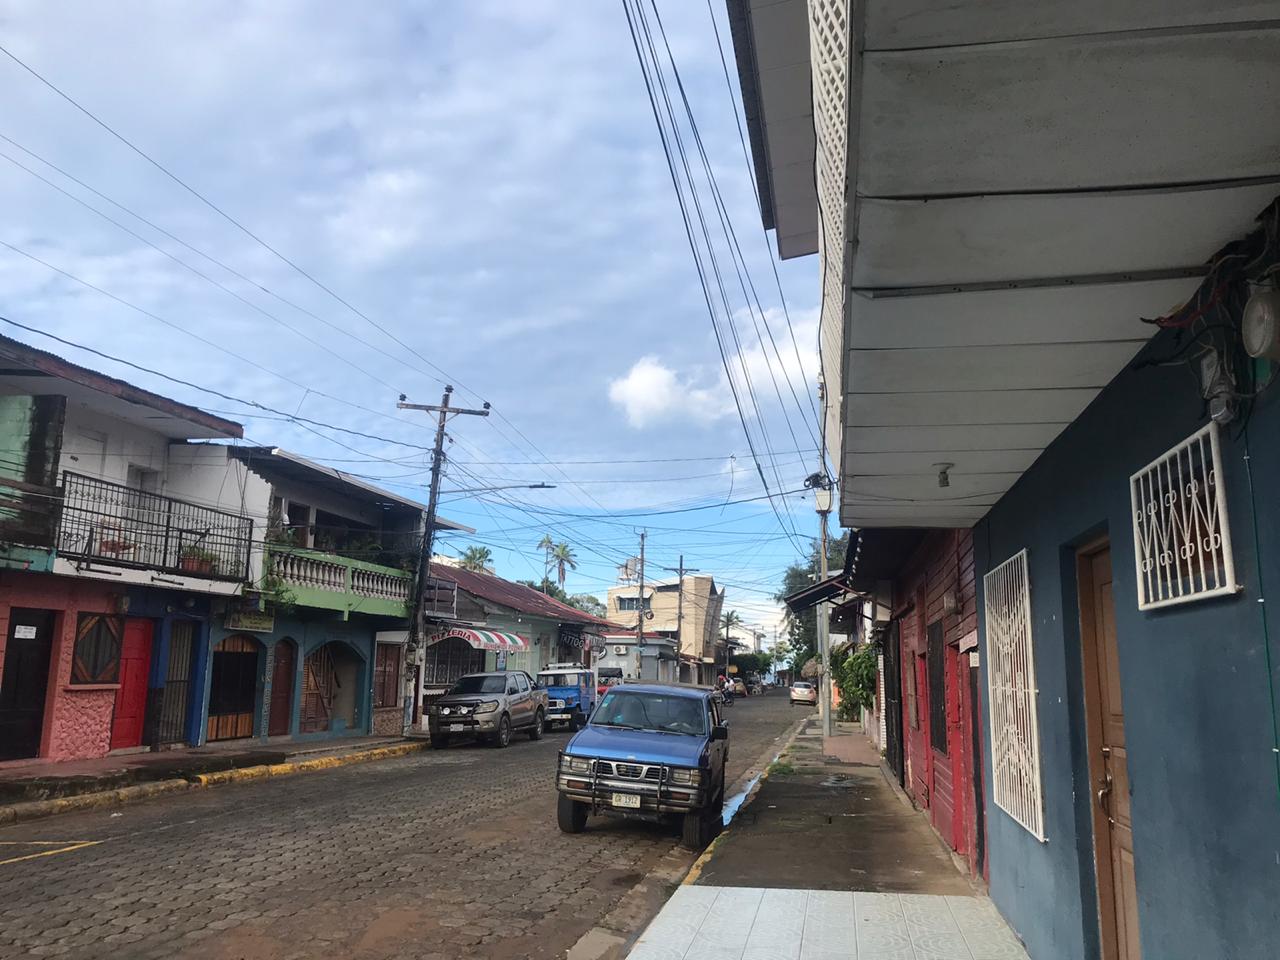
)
(517, 596)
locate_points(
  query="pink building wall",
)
(77, 720)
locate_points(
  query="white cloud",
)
(653, 393)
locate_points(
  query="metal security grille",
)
(1181, 538)
(126, 526)
(937, 687)
(1011, 690)
(177, 683)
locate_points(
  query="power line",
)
(769, 251)
(689, 233)
(292, 418)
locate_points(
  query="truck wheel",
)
(503, 737)
(539, 726)
(571, 815)
(439, 741)
(696, 832)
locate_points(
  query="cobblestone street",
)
(443, 854)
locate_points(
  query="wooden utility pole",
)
(417, 616)
(640, 611)
(680, 571)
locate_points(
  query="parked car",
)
(571, 693)
(652, 752)
(491, 706)
(802, 692)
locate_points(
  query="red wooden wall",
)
(940, 781)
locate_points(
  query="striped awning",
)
(484, 639)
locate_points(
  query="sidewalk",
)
(39, 789)
(827, 861)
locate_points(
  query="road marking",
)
(65, 848)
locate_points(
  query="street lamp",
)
(509, 486)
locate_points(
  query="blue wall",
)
(1198, 711)
(165, 607)
(309, 635)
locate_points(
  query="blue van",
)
(571, 693)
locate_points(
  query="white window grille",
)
(1011, 695)
(1181, 538)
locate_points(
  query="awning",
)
(484, 639)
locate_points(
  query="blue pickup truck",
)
(651, 752)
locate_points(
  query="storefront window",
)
(97, 653)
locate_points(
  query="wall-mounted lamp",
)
(944, 473)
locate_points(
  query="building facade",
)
(686, 609)
(1048, 324)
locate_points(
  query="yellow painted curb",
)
(39, 809)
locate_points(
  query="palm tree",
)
(476, 559)
(731, 619)
(562, 555)
(546, 545)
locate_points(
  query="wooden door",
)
(25, 682)
(233, 688)
(318, 687)
(281, 689)
(131, 698)
(941, 787)
(1108, 759)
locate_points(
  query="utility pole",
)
(822, 497)
(680, 571)
(417, 616)
(640, 611)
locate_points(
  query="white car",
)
(804, 693)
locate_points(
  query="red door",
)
(131, 698)
(281, 690)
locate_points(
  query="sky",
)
(472, 192)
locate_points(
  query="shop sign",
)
(250, 619)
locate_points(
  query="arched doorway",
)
(233, 687)
(330, 689)
(285, 657)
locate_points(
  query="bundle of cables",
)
(1210, 323)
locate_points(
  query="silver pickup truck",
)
(490, 706)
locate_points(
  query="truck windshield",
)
(636, 710)
(558, 679)
(480, 684)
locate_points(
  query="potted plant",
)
(195, 559)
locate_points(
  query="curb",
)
(695, 871)
(39, 809)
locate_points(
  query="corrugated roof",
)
(517, 596)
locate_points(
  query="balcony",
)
(124, 526)
(331, 582)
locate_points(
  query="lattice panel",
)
(829, 55)
(1011, 695)
(1181, 538)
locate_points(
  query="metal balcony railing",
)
(112, 523)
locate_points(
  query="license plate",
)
(630, 801)
(456, 727)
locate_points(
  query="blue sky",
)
(484, 181)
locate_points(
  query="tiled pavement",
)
(750, 923)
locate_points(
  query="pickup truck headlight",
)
(575, 764)
(685, 775)
(487, 707)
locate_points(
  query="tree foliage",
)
(752, 662)
(855, 675)
(802, 630)
(477, 559)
